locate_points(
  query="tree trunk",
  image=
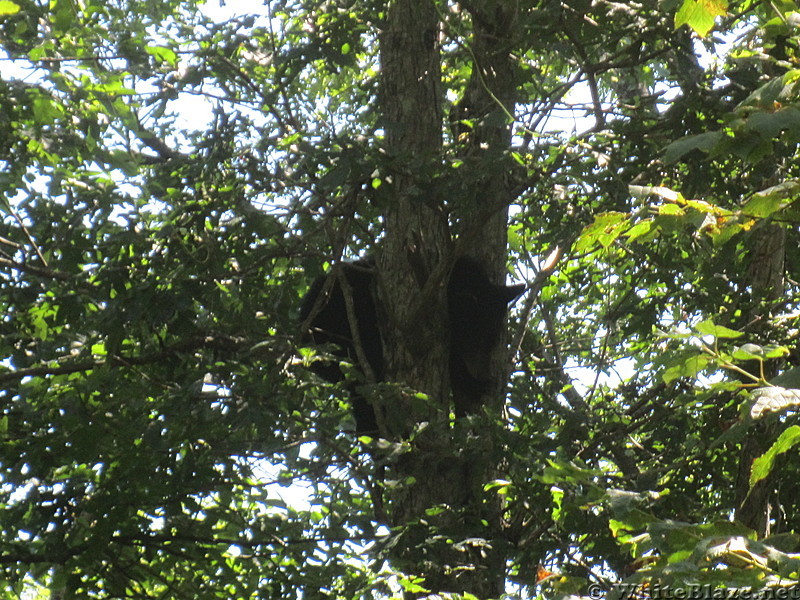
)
(416, 234)
(765, 277)
(441, 511)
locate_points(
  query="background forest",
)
(174, 176)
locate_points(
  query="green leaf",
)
(704, 207)
(764, 96)
(729, 229)
(749, 352)
(762, 206)
(762, 466)
(8, 8)
(671, 210)
(606, 228)
(772, 124)
(690, 367)
(700, 14)
(708, 327)
(704, 142)
(163, 54)
(773, 351)
(336, 176)
(788, 379)
(768, 201)
(640, 229)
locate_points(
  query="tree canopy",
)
(175, 175)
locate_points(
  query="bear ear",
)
(512, 292)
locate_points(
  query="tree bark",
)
(416, 234)
(448, 528)
(765, 277)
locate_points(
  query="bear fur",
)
(477, 311)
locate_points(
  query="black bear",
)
(330, 325)
(476, 310)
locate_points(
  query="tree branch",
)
(226, 343)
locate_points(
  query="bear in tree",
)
(330, 325)
(476, 309)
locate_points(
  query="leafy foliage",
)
(174, 175)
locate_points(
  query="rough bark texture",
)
(766, 281)
(452, 548)
(416, 230)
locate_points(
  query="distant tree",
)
(174, 177)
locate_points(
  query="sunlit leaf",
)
(689, 367)
(748, 352)
(773, 399)
(766, 202)
(8, 8)
(763, 465)
(640, 229)
(700, 14)
(605, 229)
(708, 327)
(162, 53)
(672, 210)
(643, 191)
